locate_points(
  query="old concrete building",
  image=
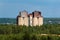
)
(31, 19)
(22, 18)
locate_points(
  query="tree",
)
(26, 36)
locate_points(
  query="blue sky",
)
(11, 8)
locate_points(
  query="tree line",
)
(14, 32)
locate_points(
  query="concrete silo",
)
(23, 18)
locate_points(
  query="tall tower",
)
(37, 18)
(22, 18)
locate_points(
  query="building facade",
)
(31, 19)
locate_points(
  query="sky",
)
(11, 8)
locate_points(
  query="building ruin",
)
(31, 19)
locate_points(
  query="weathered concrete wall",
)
(31, 20)
(23, 21)
(35, 21)
(40, 21)
(26, 21)
(20, 21)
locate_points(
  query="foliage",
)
(14, 32)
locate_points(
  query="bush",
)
(14, 32)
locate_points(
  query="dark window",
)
(37, 17)
(23, 18)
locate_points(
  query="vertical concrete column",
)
(26, 21)
(20, 21)
(40, 21)
(35, 21)
(31, 20)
